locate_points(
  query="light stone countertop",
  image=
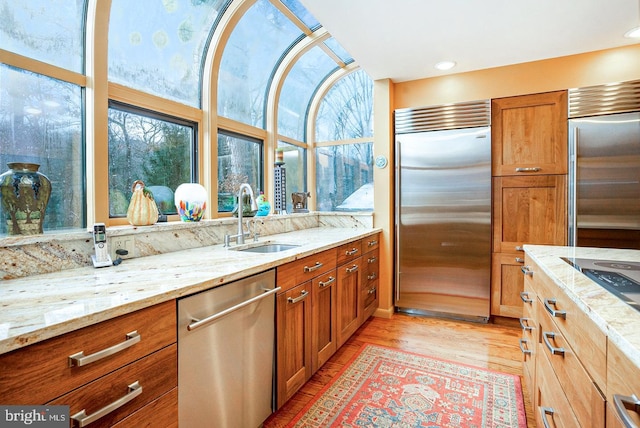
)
(39, 307)
(619, 321)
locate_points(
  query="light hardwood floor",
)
(493, 346)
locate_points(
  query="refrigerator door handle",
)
(572, 196)
(398, 176)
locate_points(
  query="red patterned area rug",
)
(385, 387)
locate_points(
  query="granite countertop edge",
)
(41, 307)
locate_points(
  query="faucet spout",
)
(254, 206)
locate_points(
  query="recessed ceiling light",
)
(634, 33)
(445, 65)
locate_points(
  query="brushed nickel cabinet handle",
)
(316, 266)
(525, 351)
(372, 276)
(526, 270)
(351, 252)
(554, 312)
(519, 260)
(546, 335)
(519, 248)
(372, 260)
(544, 411)
(330, 281)
(524, 296)
(624, 403)
(352, 269)
(529, 169)
(79, 359)
(303, 295)
(526, 326)
(372, 243)
(372, 290)
(81, 419)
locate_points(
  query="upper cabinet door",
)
(529, 134)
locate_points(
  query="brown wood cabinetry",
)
(349, 306)
(299, 340)
(370, 278)
(570, 359)
(130, 360)
(529, 168)
(623, 384)
(529, 134)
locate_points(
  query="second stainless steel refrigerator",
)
(443, 223)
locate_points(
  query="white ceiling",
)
(403, 39)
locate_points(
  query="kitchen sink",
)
(269, 248)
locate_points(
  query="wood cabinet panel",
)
(623, 379)
(349, 251)
(41, 372)
(293, 332)
(155, 374)
(349, 306)
(529, 134)
(507, 282)
(324, 342)
(529, 210)
(305, 269)
(162, 412)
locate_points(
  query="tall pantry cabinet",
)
(529, 180)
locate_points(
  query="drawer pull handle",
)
(372, 260)
(544, 411)
(524, 296)
(303, 295)
(525, 351)
(330, 281)
(528, 169)
(352, 269)
(372, 276)
(526, 326)
(554, 312)
(624, 403)
(526, 270)
(372, 243)
(373, 290)
(546, 335)
(351, 252)
(79, 359)
(81, 419)
(519, 260)
(317, 266)
(519, 248)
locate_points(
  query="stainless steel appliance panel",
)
(443, 223)
(604, 178)
(226, 354)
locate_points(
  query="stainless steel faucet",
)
(254, 206)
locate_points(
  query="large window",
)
(41, 123)
(158, 150)
(240, 161)
(295, 163)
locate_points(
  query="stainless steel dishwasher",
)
(226, 354)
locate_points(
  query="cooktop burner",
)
(620, 278)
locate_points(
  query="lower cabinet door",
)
(349, 287)
(293, 332)
(324, 339)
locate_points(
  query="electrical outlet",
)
(126, 243)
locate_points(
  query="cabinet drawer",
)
(349, 251)
(623, 379)
(41, 372)
(552, 403)
(369, 300)
(152, 376)
(586, 401)
(305, 269)
(586, 339)
(162, 412)
(370, 268)
(371, 243)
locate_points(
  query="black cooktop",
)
(619, 277)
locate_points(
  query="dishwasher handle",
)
(199, 323)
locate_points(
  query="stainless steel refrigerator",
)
(604, 177)
(443, 223)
